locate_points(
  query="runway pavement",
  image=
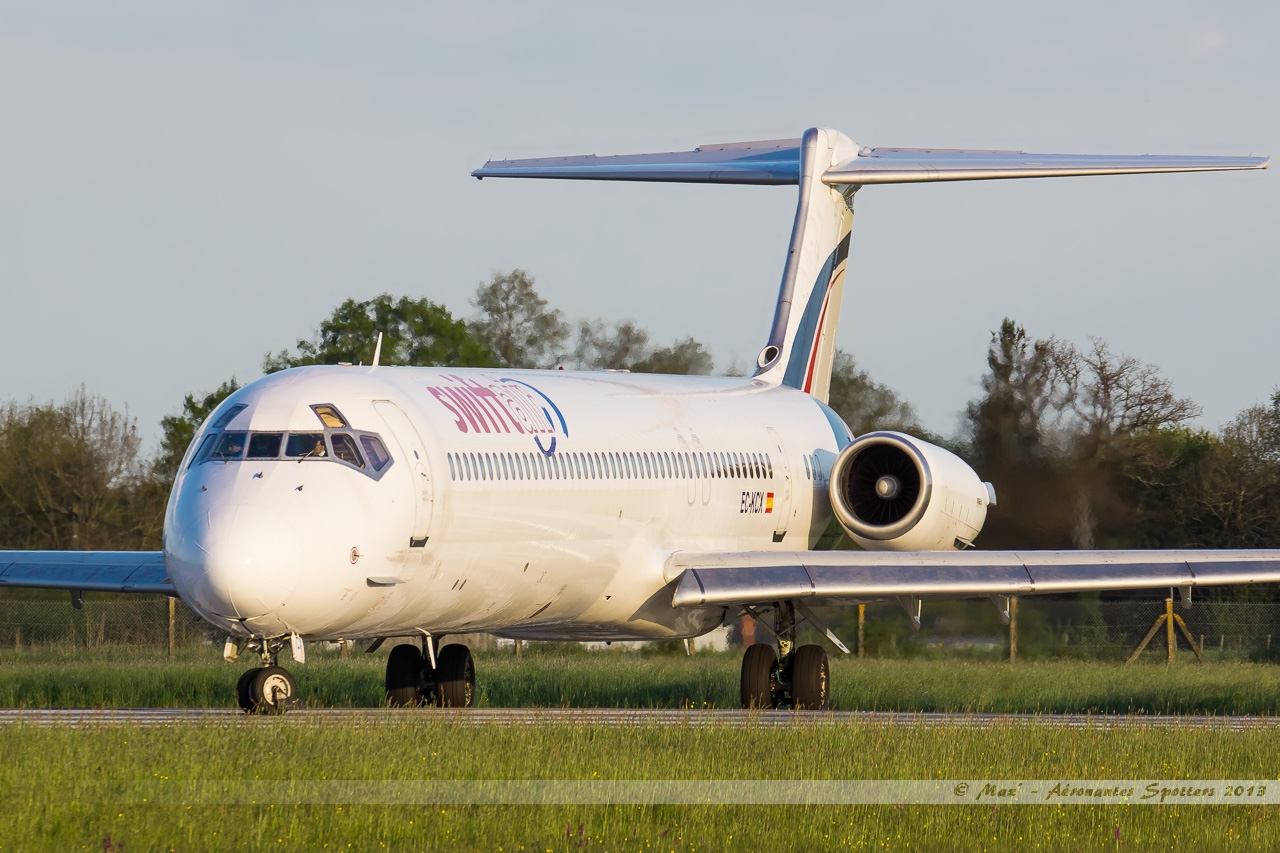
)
(611, 717)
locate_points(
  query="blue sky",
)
(184, 187)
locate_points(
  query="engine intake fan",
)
(892, 492)
(881, 486)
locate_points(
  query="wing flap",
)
(91, 571)
(837, 577)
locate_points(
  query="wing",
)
(93, 571)
(851, 577)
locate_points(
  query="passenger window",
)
(453, 474)
(330, 417)
(265, 445)
(227, 416)
(473, 471)
(768, 461)
(205, 446)
(344, 447)
(305, 445)
(230, 446)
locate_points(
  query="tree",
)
(415, 332)
(625, 346)
(604, 347)
(1072, 437)
(181, 428)
(515, 324)
(685, 357)
(1007, 424)
(1113, 399)
(867, 405)
(71, 477)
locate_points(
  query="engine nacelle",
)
(892, 492)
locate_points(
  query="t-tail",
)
(829, 168)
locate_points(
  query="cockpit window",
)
(344, 447)
(231, 446)
(203, 451)
(305, 445)
(330, 416)
(377, 454)
(225, 417)
(364, 452)
(265, 445)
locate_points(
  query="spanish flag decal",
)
(768, 502)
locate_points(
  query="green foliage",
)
(71, 477)
(867, 405)
(415, 332)
(625, 346)
(179, 429)
(515, 323)
(684, 357)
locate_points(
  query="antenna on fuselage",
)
(377, 350)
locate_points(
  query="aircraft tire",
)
(272, 690)
(242, 689)
(455, 677)
(760, 677)
(404, 676)
(810, 679)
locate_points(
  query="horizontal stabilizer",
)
(771, 162)
(847, 577)
(916, 165)
(92, 571)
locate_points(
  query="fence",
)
(135, 620)
(1079, 627)
(1084, 627)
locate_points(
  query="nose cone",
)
(237, 562)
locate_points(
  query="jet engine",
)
(892, 492)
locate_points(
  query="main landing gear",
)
(801, 679)
(266, 689)
(412, 681)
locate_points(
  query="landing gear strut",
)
(801, 678)
(266, 689)
(411, 681)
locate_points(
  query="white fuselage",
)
(535, 504)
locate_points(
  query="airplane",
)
(380, 502)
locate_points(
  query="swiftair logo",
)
(501, 406)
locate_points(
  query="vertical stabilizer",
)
(802, 341)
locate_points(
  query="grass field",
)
(59, 677)
(61, 786)
(56, 787)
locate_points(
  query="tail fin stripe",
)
(817, 338)
(807, 332)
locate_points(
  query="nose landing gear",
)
(412, 682)
(266, 689)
